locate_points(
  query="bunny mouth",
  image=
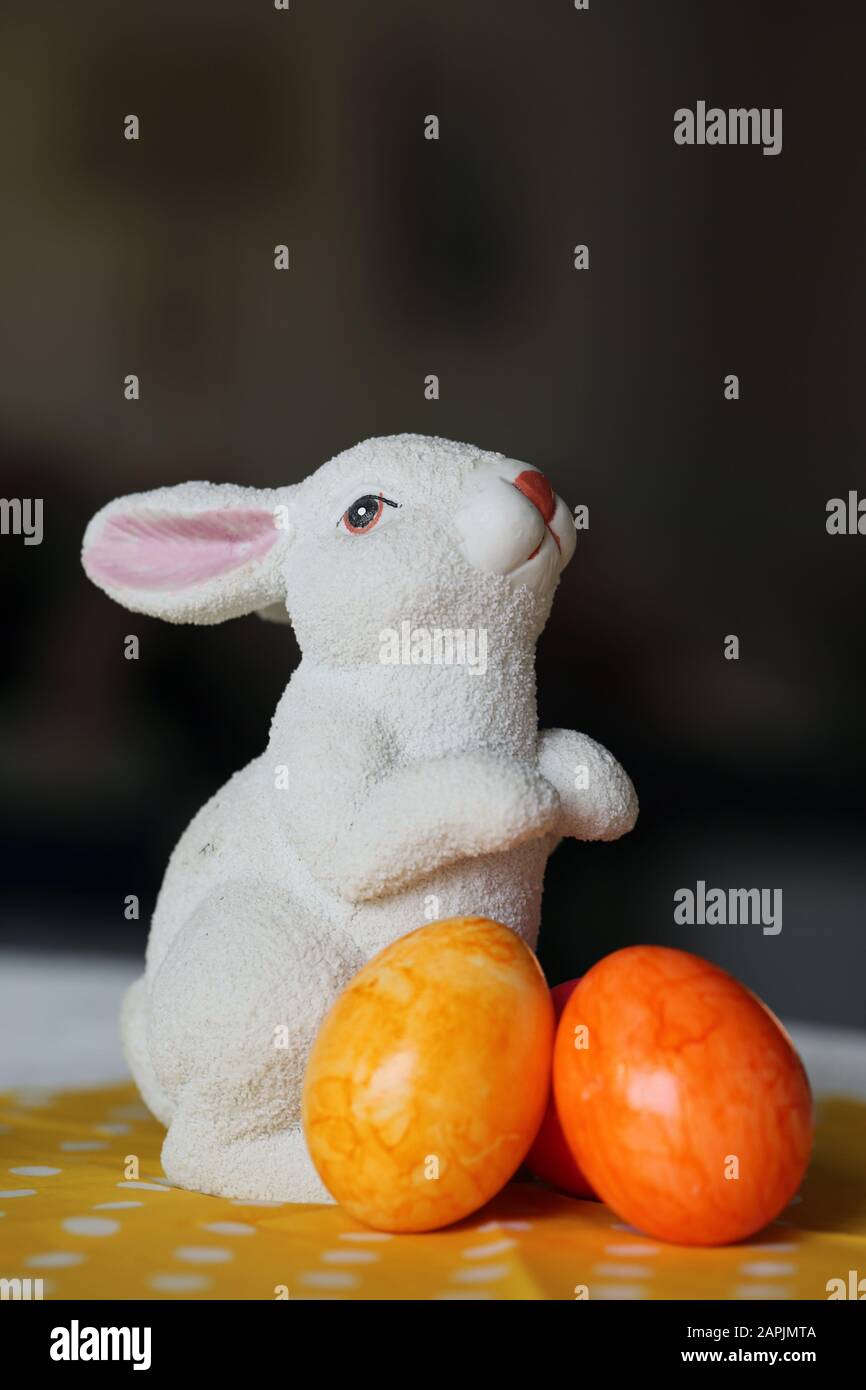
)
(503, 528)
(541, 543)
(539, 569)
(535, 487)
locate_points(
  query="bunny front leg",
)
(596, 795)
(367, 826)
(427, 815)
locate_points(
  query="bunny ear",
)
(197, 553)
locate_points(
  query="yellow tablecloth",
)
(70, 1217)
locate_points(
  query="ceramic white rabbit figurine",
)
(405, 778)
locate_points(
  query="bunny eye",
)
(365, 513)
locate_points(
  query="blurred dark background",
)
(411, 257)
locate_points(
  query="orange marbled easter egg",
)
(429, 1077)
(681, 1097)
(550, 1157)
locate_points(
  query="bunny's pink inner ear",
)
(157, 550)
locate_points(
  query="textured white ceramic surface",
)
(405, 779)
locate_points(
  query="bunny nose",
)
(535, 486)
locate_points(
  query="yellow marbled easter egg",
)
(429, 1077)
